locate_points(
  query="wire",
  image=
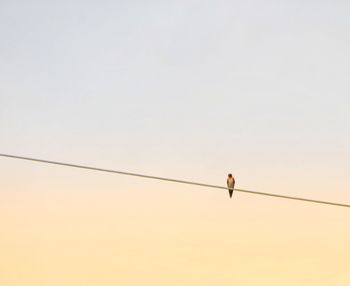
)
(170, 180)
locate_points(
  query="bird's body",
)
(230, 184)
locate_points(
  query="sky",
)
(191, 90)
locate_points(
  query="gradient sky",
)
(183, 89)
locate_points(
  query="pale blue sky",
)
(191, 89)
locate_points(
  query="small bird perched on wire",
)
(230, 184)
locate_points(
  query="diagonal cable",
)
(171, 180)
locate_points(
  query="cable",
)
(170, 180)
